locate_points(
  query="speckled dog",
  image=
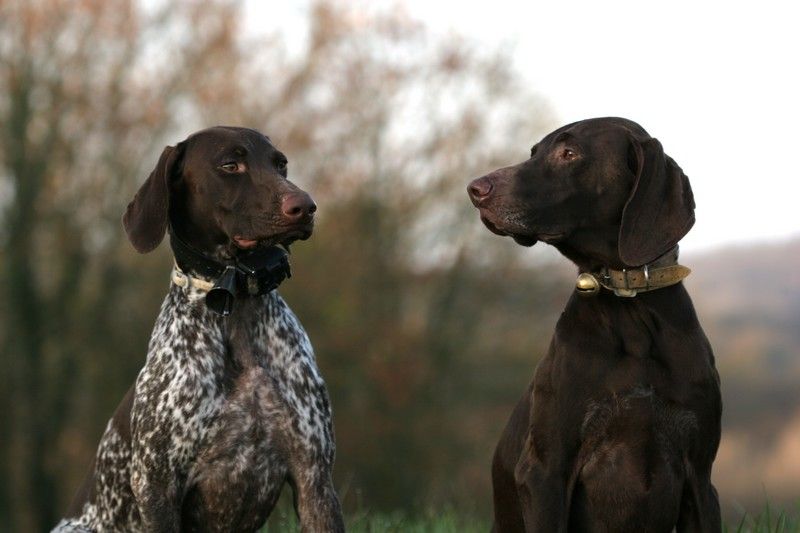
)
(227, 408)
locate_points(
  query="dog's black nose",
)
(297, 207)
(479, 190)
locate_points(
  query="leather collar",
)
(251, 273)
(627, 283)
(182, 279)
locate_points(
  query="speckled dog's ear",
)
(146, 218)
(660, 209)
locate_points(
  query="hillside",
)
(748, 299)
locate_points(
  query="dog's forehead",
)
(221, 138)
(611, 126)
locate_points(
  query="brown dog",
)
(620, 426)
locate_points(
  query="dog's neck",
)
(253, 273)
(198, 231)
(597, 248)
(193, 260)
(599, 265)
(592, 249)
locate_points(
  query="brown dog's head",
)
(223, 189)
(601, 190)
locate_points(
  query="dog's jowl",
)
(230, 405)
(620, 426)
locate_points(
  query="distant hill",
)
(748, 299)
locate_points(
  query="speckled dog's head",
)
(223, 189)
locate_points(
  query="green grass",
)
(769, 520)
(448, 521)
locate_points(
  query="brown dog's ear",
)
(660, 209)
(146, 218)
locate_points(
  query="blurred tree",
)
(382, 121)
(86, 93)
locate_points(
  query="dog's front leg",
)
(542, 492)
(316, 502)
(156, 495)
(167, 422)
(699, 512)
(156, 481)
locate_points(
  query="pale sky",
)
(716, 82)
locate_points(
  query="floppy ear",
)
(660, 209)
(146, 218)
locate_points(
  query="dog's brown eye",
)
(281, 165)
(566, 153)
(231, 166)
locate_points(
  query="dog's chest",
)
(242, 463)
(615, 371)
(259, 402)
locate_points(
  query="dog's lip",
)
(492, 226)
(520, 238)
(300, 234)
(525, 240)
(551, 237)
(245, 244)
(283, 237)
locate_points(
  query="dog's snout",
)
(480, 189)
(297, 207)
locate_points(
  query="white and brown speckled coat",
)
(225, 411)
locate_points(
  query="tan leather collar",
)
(627, 283)
(182, 279)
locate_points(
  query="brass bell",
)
(587, 285)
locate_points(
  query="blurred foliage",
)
(84, 101)
(400, 289)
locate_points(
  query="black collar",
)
(252, 273)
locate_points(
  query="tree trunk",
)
(31, 486)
